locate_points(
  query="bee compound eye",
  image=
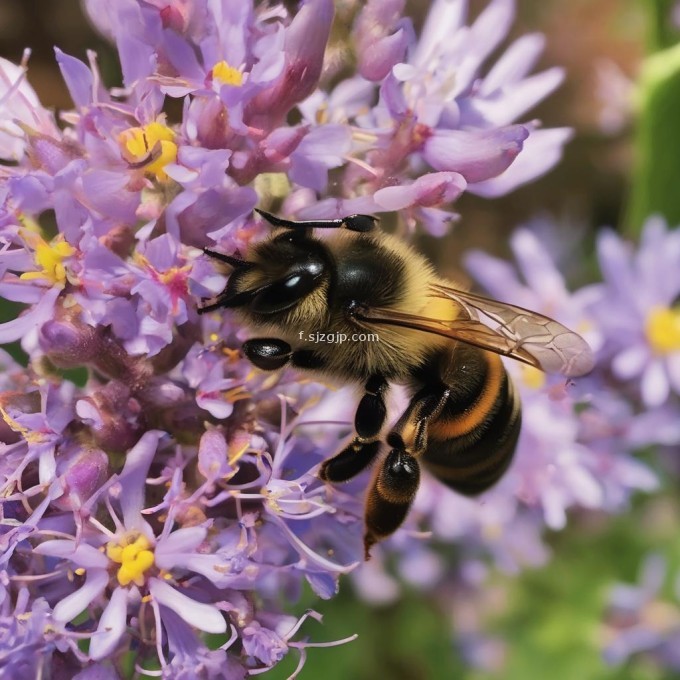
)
(285, 293)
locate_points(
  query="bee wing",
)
(521, 333)
(503, 328)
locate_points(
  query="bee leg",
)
(396, 482)
(371, 412)
(410, 431)
(307, 358)
(368, 422)
(269, 354)
(390, 496)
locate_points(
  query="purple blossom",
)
(638, 311)
(439, 106)
(19, 109)
(639, 621)
(242, 89)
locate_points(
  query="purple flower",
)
(637, 305)
(382, 36)
(137, 553)
(25, 643)
(640, 622)
(19, 109)
(245, 76)
(437, 105)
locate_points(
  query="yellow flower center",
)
(227, 75)
(151, 147)
(49, 257)
(663, 329)
(133, 554)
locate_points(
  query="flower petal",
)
(67, 609)
(83, 555)
(111, 626)
(541, 151)
(133, 478)
(30, 320)
(478, 155)
(202, 616)
(432, 189)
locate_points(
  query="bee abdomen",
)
(470, 448)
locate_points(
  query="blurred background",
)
(556, 620)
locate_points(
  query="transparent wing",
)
(500, 327)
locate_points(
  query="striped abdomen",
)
(472, 441)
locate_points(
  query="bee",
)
(442, 343)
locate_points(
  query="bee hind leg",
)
(396, 481)
(390, 496)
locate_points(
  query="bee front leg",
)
(269, 354)
(368, 422)
(396, 481)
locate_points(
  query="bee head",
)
(278, 274)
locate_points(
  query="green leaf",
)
(656, 167)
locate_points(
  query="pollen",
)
(532, 377)
(237, 451)
(236, 394)
(233, 355)
(151, 147)
(492, 532)
(227, 75)
(32, 437)
(663, 329)
(135, 557)
(175, 276)
(49, 257)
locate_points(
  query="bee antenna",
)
(229, 301)
(235, 262)
(274, 220)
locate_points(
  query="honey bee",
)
(442, 343)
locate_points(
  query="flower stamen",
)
(226, 74)
(49, 257)
(151, 147)
(663, 329)
(135, 557)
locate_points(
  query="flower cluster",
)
(579, 441)
(158, 494)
